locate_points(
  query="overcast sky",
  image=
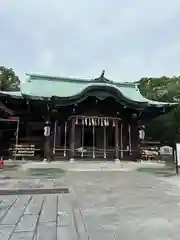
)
(130, 39)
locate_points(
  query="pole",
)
(17, 137)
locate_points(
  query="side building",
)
(67, 118)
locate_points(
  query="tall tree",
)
(8, 79)
(165, 128)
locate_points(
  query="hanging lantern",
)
(76, 122)
(114, 123)
(141, 134)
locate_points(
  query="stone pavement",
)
(128, 205)
(48, 217)
(102, 205)
(36, 217)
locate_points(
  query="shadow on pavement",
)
(45, 172)
(159, 171)
(14, 172)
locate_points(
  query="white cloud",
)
(130, 39)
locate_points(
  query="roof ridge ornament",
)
(102, 74)
(102, 79)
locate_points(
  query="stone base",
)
(117, 160)
(71, 160)
(45, 160)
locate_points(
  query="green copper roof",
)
(46, 87)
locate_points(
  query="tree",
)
(8, 79)
(165, 128)
(161, 89)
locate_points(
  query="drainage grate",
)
(33, 191)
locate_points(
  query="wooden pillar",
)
(121, 138)
(54, 136)
(93, 132)
(105, 143)
(72, 144)
(135, 142)
(47, 141)
(130, 139)
(82, 138)
(65, 139)
(117, 140)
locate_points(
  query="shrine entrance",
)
(92, 137)
(100, 137)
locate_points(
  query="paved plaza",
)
(104, 205)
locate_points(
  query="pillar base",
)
(71, 160)
(117, 160)
(45, 160)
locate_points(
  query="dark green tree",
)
(8, 79)
(165, 128)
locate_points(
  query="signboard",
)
(178, 154)
(22, 150)
(166, 150)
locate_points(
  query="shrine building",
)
(58, 118)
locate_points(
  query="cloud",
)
(130, 39)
